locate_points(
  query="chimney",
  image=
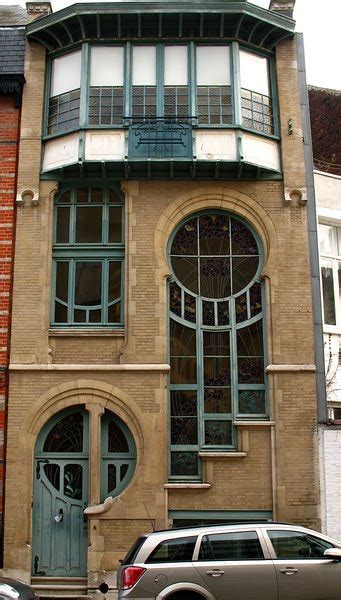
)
(36, 10)
(283, 7)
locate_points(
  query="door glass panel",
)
(73, 481)
(66, 435)
(297, 545)
(52, 473)
(243, 545)
(112, 477)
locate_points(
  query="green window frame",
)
(221, 105)
(88, 257)
(217, 340)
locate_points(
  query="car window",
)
(241, 545)
(132, 553)
(297, 544)
(173, 550)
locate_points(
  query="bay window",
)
(118, 85)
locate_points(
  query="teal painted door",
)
(59, 540)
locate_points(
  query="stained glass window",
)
(118, 455)
(216, 337)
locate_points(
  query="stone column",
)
(95, 413)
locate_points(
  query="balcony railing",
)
(160, 137)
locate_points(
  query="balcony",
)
(160, 137)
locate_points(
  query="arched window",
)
(216, 336)
(88, 253)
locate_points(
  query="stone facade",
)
(276, 466)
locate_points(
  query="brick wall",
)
(9, 142)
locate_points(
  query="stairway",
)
(61, 588)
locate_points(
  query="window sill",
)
(221, 456)
(84, 332)
(187, 486)
(254, 423)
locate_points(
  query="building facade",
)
(163, 366)
(325, 106)
(12, 49)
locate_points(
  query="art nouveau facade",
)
(162, 281)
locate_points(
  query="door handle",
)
(215, 573)
(288, 571)
(59, 518)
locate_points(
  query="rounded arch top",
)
(224, 199)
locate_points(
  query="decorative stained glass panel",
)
(66, 435)
(52, 473)
(255, 299)
(73, 481)
(190, 308)
(184, 463)
(186, 271)
(186, 240)
(214, 234)
(251, 402)
(241, 308)
(218, 433)
(208, 313)
(223, 313)
(117, 442)
(175, 298)
(217, 400)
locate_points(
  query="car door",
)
(303, 573)
(235, 565)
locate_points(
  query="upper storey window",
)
(330, 253)
(116, 86)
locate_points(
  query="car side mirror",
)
(334, 553)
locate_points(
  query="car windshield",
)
(132, 553)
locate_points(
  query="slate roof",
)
(325, 117)
(12, 40)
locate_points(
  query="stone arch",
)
(223, 198)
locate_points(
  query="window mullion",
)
(84, 91)
(127, 80)
(192, 79)
(160, 80)
(105, 291)
(71, 291)
(200, 378)
(236, 87)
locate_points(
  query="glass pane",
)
(175, 298)
(66, 435)
(62, 280)
(123, 471)
(213, 65)
(184, 431)
(296, 545)
(218, 433)
(112, 479)
(218, 400)
(63, 225)
(214, 233)
(243, 545)
(73, 484)
(88, 283)
(117, 441)
(184, 463)
(183, 340)
(114, 280)
(82, 196)
(60, 313)
(52, 473)
(88, 224)
(254, 72)
(190, 308)
(115, 224)
(66, 73)
(183, 404)
(255, 299)
(79, 316)
(223, 313)
(173, 550)
(186, 240)
(176, 68)
(244, 270)
(216, 343)
(338, 232)
(64, 198)
(97, 195)
(208, 313)
(250, 353)
(95, 316)
(252, 402)
(326, 239)
(186, 271)
(114, 313)
(241, 308)
(217, 371)
(144, 65)
(106, 66)
(328, 292)
(250, 369)
(215, 277)
(243, 240)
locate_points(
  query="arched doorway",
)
(59, 537)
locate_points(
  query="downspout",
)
(322, 413)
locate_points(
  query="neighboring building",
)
(325, 107)
(12, 48)
(162, 351)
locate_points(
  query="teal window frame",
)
(232, 328)
(116, 459)
(237, 121)
(102, 252)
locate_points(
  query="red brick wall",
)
(9, 144)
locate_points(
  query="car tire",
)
(185, 595)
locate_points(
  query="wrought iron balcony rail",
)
(160, 137)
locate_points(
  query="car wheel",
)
(185, 596)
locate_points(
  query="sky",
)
(319, 20)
